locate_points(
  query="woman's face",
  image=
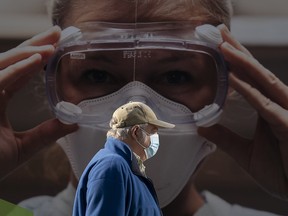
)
(188, 78)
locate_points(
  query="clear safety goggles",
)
(178, 61)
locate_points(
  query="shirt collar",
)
(140, 165)
(125, 151)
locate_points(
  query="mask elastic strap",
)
(136, 14)
(139, 142)
(135, 27)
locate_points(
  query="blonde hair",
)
(208, 11)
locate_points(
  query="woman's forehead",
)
(128, 11)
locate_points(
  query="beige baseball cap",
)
(134, 113)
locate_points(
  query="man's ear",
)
(135, 131)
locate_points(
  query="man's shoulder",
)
(109, 158)
(108, 164)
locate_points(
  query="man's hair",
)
(118, 133)
(212, 11)
(121, 133)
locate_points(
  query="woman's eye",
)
(177, 77)
(95, 76)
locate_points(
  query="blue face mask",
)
(153, 147)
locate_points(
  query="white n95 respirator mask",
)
(181, 148)
(174, 68)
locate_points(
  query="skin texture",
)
(264, 157)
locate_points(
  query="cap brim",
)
(162, 124)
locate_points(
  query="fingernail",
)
(221, 26)
(53, 28)
(227, 46)
(35, 57)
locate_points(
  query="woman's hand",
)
(265, 157)
(17, 66)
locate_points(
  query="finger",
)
(3, 106)
(231, 143)
(227, 36)
(42, 136)
(13, 82)
(50, 36)
(269, 110)
(249, 66)
(17, 54)
(12, 73)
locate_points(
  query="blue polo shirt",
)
(112, 185)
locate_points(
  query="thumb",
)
(48, 132)
(228, 141)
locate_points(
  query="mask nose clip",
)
(138, 98)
